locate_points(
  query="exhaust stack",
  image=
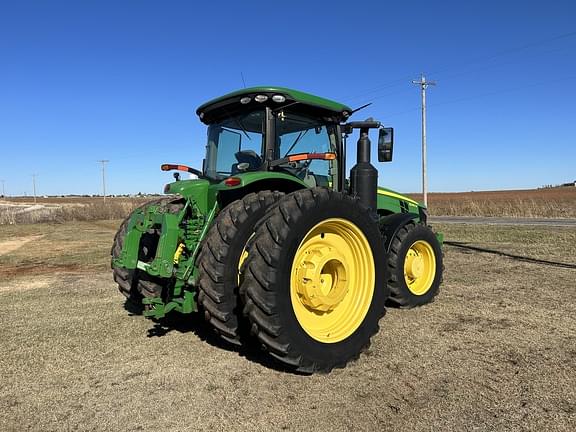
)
(363, 175)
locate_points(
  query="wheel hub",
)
(321, 278)
(414, 265)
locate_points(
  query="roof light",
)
(260, 98)
(201, 115)
(278, 98)
(245, 100)
(232, 181)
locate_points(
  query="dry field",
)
(556, 202)
(25, 211)
(496, 351)
(552, 203)
(74, 200)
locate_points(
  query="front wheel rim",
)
(332, 280)
(419, 267)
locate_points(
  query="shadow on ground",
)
(194, 323)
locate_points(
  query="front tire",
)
(314, 294)
(414, 266)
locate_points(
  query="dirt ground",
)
(495, 351)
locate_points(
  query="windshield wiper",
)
(300, 135)
(239, 123)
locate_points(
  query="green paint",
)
(202, 199)
(440, 237)
(158, 309)
(162, 265)
(295, 95)
(197, 190)
(255, 176)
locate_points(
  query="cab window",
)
(299, 134)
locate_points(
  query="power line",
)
(104, 162)
(467, 98)
(423, 86)
(471, 61)
(385, 86)
(511, 89)
(516, 49)
(385, 95)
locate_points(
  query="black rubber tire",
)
(267, 280)
(135, 284)
(400, 295)
(124, 277)
(217, 262)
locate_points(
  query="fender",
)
(248, 178)
(390, 225)
(237, 186)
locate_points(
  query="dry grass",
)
(548, 203)
(496, 351)
(90, 209)
(73, 246)
(552, 203)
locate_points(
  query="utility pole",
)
(34, 186)
(3, 188)
(424, 85)
(104, 162)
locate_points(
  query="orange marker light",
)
(309, 156)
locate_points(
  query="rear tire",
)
(314, 294)
(222, 253)
(414, 266)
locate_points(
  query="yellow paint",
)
(243, 257)
(178, 252)
(332, 280)
(395, 195)
(420, 267)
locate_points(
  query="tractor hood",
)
(390, 201)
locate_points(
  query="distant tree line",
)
(550, 186)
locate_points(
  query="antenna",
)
(360, 108)
(242, 76)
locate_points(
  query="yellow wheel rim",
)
(332, 280)
(419, 267)
(242, 258)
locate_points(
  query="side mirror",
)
(385, 144)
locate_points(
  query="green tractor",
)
(272, 241)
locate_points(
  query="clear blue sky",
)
(120, 80)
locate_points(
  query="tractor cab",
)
(275, 129)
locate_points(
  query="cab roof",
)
(229, 104)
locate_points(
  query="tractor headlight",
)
(245, 100)
(278, 98)
(260, 98)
